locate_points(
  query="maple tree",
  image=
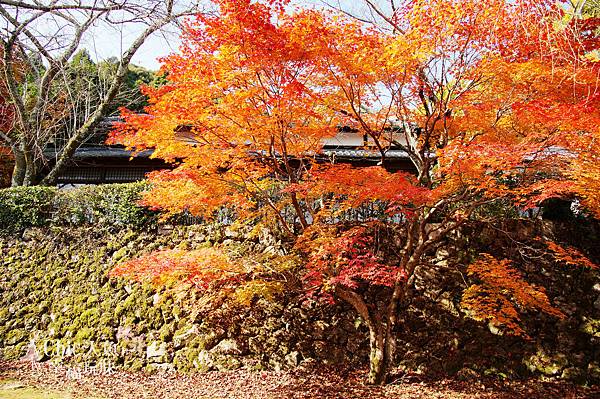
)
(489, 100)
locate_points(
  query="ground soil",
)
(318, 382)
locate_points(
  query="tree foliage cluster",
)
(89, 81)
(492, 101)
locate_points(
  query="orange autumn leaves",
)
(488, 100)
(244, 80)
(261, 88)
(570, 256)
(199, 267)
(584, 170)
(351, 187)
(217, 269)
(502, 294)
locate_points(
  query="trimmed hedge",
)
(22, 207)
(112, 205)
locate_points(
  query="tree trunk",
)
(382, 340)
(73, 144)
(31, 171)
(92, 121)
(382, 333)
(18, 175)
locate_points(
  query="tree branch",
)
(87, 128)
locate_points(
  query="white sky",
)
(104, 43)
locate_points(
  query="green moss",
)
(120, 254)
(135, 365)
(227, 363)
(594, 370)
(61, 282)
(57, 287)
(14, 352)
(43, 306)
(16, 336)
(84, 334)
(547, 364)
(4, 314)
(591, 327)
(17, 390)
(89, 317)
(92, 300)
(166, 332)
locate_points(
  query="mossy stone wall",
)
(57, 303)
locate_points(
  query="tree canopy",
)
(494, 102)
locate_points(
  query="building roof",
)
(95, 162)
(102, 151)
(359, 153)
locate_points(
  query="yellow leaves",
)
(570, 256)
(227, 51)
(400, 56)
(245, 294)
(592, 56)
(502, 294)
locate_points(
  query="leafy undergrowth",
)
(321, 382)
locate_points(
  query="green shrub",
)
(112, 205)
(22, 207)
(106, 205)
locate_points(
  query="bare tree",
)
(42, 36)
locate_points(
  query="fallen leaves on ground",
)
(318, 382)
